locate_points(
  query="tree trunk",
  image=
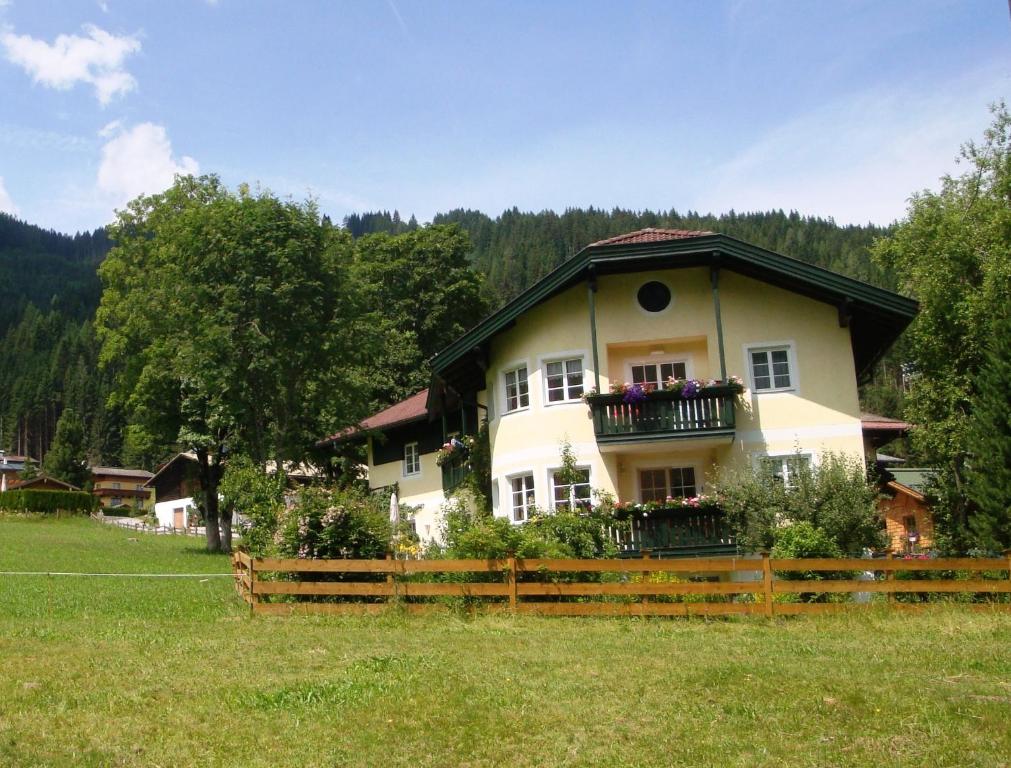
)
(209, 491)
(226, 530)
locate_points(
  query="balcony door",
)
(653, 373)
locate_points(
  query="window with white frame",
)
(564, 380)
(516, 390)
(652, 375)
(412, 460)
(786, 469)
(658, 484)
(770, 369)
(522, 487)
(570, 495)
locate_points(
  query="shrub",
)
(333, 523)
(31, 502)
(258, 497)
(475, 534)
(834, 497)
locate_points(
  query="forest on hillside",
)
(49, 291)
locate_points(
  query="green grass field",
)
(171, 672)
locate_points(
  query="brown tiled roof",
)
(871, 421)
(652, 235)
(411, 409)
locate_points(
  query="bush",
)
(29, 502)
(476, 534)
(835, 497)
(259, 498)
(329, 523)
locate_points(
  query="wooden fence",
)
(713, 586)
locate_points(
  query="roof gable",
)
(877, 316)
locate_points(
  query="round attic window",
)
(654, 296)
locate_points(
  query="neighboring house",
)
(10, 468)
(907, 515)
(174, 485)
(644, 308)
(177, 482)
(43, 483)
(121, 487)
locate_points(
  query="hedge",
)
(48, 502)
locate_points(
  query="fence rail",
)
(704, 586)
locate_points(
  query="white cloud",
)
(96, 59)
(6, 204)
(138, 161)
(857, 159)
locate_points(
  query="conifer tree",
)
(66, 458)
(989, 476)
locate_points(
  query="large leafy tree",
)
(423, 294)
(233, 329)
(953, 253)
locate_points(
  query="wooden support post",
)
(767, 585)
(890, 576)
(511, 581)
(591, 290)
(646, 575)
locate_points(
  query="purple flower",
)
(690, 389)
(634, 394)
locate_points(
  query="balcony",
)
(677, 533)
(455, 471)
(663, 415)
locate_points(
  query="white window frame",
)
(515, 368)
(564, 360)
(572, 496)
(416, 455)
(791, 360)
(784, 467)
(658, 361)
(526, 503)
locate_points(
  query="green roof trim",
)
(877, 304)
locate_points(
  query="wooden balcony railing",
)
(677, 533)
(454, 472)
(663, 415)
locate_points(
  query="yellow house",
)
(121, 487)
(677, 322)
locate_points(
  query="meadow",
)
(143, 671)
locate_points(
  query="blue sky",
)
(834, 108)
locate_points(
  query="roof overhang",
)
(875, 316)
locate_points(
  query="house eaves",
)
(879, 315)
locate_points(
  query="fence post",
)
(511, 581)
(389, 580)
(1007, 554)
(252, 586)
(890, 577)
(646, 576)
(767, 584)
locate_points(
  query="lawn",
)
(118, 671)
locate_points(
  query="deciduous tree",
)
(953, 253)
(233, 329)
